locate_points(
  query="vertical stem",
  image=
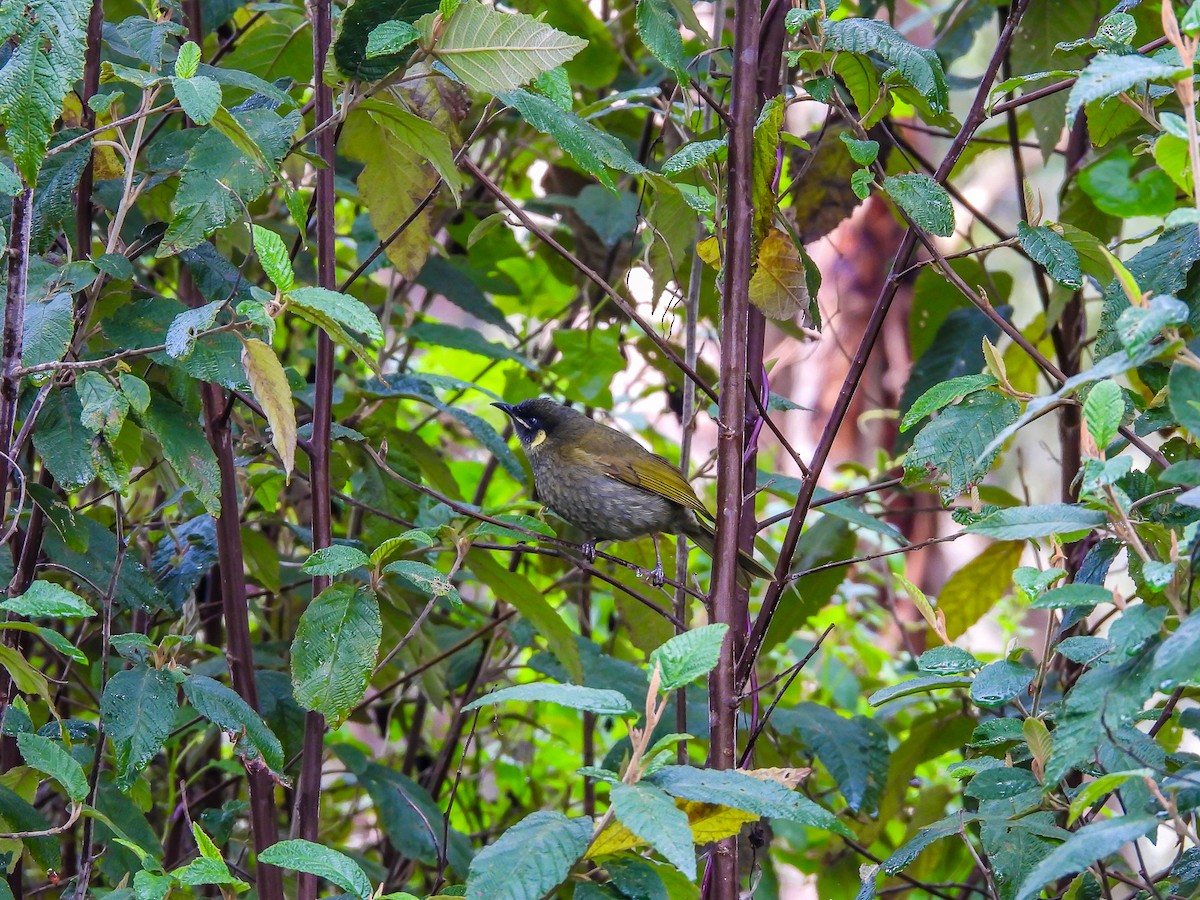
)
(91, 83)
(14, 329)
(728, 600)
(308, 795)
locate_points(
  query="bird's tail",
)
(705, 538)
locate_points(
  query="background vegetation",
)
(911, 292)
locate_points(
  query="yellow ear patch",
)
(537, 439)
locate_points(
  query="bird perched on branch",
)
(609, 485)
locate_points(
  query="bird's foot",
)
(656, 576)
(589, 551)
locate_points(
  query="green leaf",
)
(181, 335)
(924, 200)
(659, 31)
(767, 133)
(730, 787)
(1109, 74)
(592, 148)
(426, 579)
(423, 139)
(573, 696)
(1178, 657)
(691, 155)
(530, 859)
(390, 37)
(274, 258)
(49, 757)
(186, 448)
(1114, 189)
(137, 710)
(1137, 326)
(102, 406)
(49, 326)
(919, 67)
(862, 152)
(336, 560)
(322, 861)
(497, 52)
(339, 314)
(1073, 595)
(63, 443)
(1183, 396)
(1103, 411)
(922, 685)
(334, 651)
(688, 656)
(1028, 522)
(187, 60)
(653, 816)
(1000, 682)
(200, 97)
(955, 444)
(1000, 783)
(227, 710)
(45, 63)
(854, 750)
(943, 394)
(468, 339)
(1086, 846)
(1052, 251)
(354, 31)
(1093, 791)
(47, 600)
(269, 385)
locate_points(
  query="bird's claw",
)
(657, 576)
(589, 551)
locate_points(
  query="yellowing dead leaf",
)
(709, 250)
(270, 387)
(778, 288)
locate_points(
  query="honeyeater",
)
(608, 485)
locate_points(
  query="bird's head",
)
(540, 420)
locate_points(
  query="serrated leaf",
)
(322, 861)
(1029, 522)
(390, 37)
(102, 406)
(49, 326)
(187, 60)
(49, 757)
(200, 97)
(269, 384)
(186, 448)
(653, 816)
(1052, 251)
(274, 258)
(47, 600)
(1093, 791)
(925, 201)
(659, 31)
(1109, 74)
(137, 709)
(336, 560)
(1084, 847)
(226, 709)
(426, 579)
(497, 52)
(573, 696)
(955, 443)
(530, 859)
(943, 394)
(694, 154)
(918, 66)
(779, 286)
(334, 651)
(1102, 411)
(688, 656)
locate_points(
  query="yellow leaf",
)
(270, 387)
(778, 288)
(711, 822)
(709, 250)
(613, 839)
(976, 587)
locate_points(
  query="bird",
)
(610, 486)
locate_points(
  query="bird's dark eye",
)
(533, 422)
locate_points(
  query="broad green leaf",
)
(924, 200)
(200, 97)
(688, 656)
(1029, 522)
(659, 31)
(390, 37)
(918, 66)
(1137, 326)
(497, 52)
(767, 133)
(1183, 395)
(573, 696)
(269, 384)
(334, 650)
(1052, 251)
(137, 709)
(530, 859)
(854, 750)
(943, 394)
(43, 66)
(1001, 682)
(336, 560)
(862, 152)
(1109, 74)
(1093, 791)
(1073, 595)
(1103, 411)
(731, 787)
(653, 816)
(181, 335)
(226, 709)
(947, 660)
(468, 339)
(426, 579)
(1086, 846)
(1178, 657)
(354, 32)
(103, 407)
(64, 445)
(187, 60)
(1000, 783)
(322, 861)
(47, 600)
(921, 685)
(49, 757)
(274, 258)
(341, 316)
(186, 448)
(49, 326)
(1114, 189)
(423, 140)
(955, 444)
(592, 148)
(694, 154)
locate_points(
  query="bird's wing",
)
(646, 471)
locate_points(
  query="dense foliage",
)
(282, 614)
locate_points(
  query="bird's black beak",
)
(507, 408)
